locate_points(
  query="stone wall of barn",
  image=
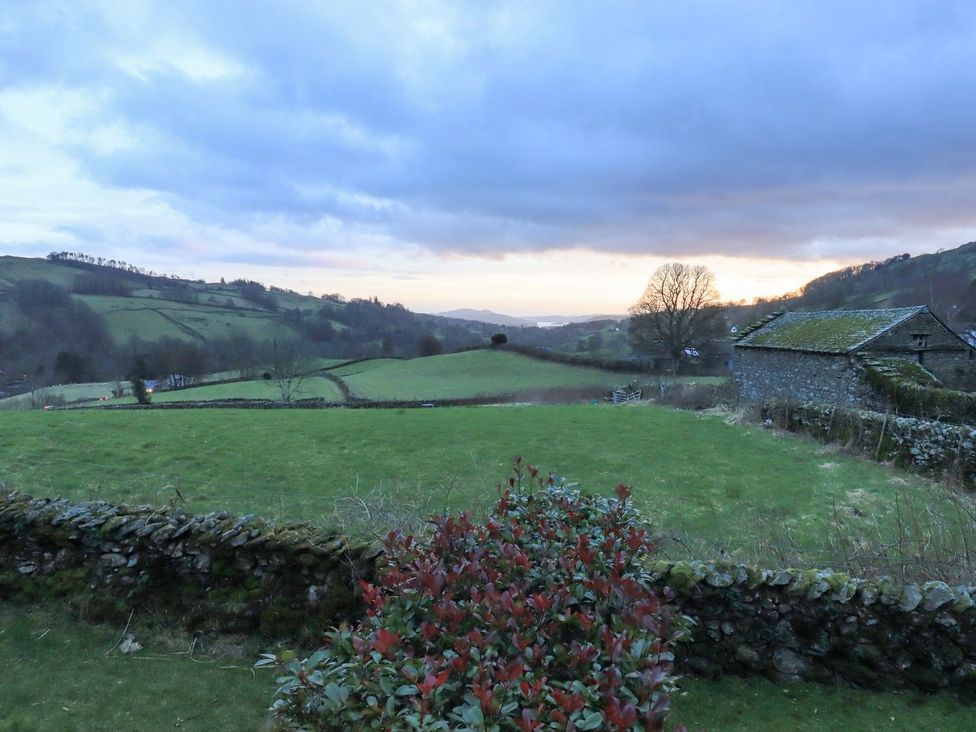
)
(764, 375)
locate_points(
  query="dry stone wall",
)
(243, 574)
(929, 446)
(816, 625)
(232, 573)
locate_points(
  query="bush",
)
(693, 396)
(536, 619)
(139, 390)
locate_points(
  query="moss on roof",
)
(832, 331)
(903, 370)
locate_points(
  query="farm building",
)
(823, 356)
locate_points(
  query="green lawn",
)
(60, 674)
(719, 484)
(744, 704)
(92, 687)
(469, 374)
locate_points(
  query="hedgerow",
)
(536, 619)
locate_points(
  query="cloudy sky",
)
(530, 157)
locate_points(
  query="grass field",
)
(721, 483)
(67, 392)
(150, 318)
(93, 687)
(715, 483)
(469, 374)
(311, 387)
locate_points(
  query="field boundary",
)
(822, 626)
(244, 574)
(216, 570)
(928, 446)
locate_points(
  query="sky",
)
(527, 157)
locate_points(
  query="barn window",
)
(920, 340)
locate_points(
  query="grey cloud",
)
(669, 128)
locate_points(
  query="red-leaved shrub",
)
(535, 620)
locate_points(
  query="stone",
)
(935, 595)
(115, 560)
(965, 674)
(787, 662)
(239, 540)
(148, 529)
(748, 655)
(781, 578)
(911, 598)
(719, 579)
(964, 600)
(784, 635)
(846, 591)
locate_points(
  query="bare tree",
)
(291, 363)
(678, 311)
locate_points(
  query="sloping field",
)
(311, 388)
(13, 269)
(150, 318)
(66, 392)
(720, 485)
(468, 374)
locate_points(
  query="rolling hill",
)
(75, 318)
(943, 280)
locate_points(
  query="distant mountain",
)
(527, 321)
(487, 316)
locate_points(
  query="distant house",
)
(821, 356)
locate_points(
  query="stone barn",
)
(820, 356)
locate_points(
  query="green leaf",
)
(407, 690)
(593, 720)
(473, 715)
(333, 693)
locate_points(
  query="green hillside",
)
(944, 280)
(151, 313)
(153, 317)
(315, 387)
(468, 374)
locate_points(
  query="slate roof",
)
(831, 331)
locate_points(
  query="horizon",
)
(524, 160)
